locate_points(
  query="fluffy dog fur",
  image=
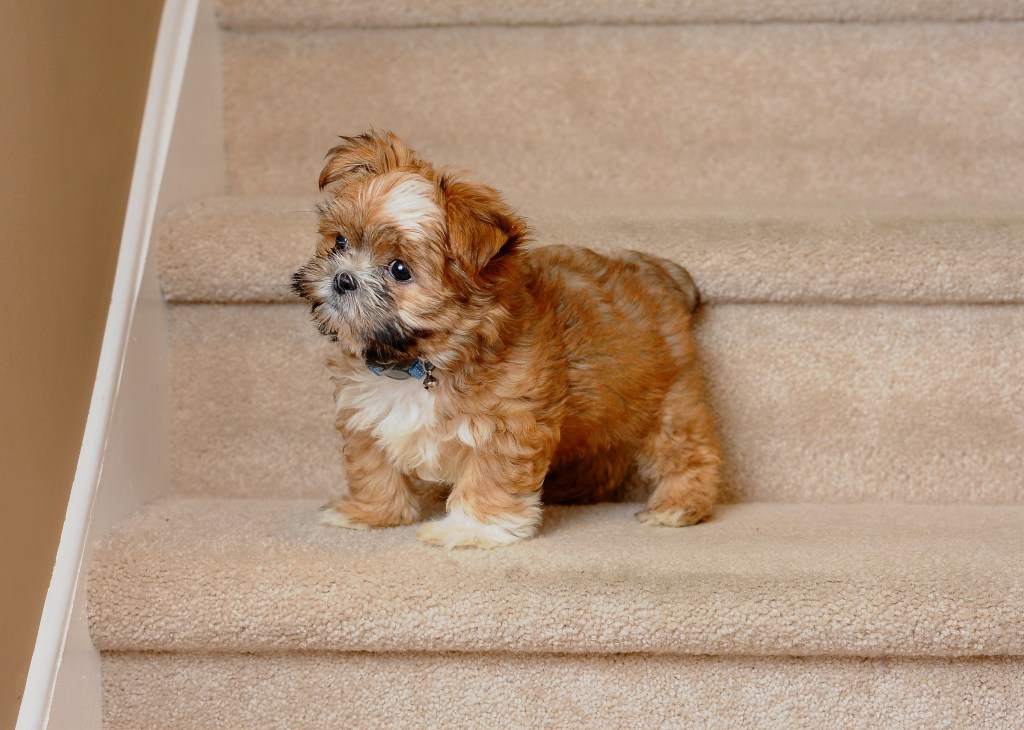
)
(557, 369)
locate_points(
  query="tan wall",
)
(73, 77)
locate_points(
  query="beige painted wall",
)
(73, 77)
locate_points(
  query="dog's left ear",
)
(482, 228)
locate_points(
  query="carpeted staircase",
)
(845, 182)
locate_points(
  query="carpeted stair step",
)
(605, 113)
(314, 14)
(202, 575)
(325, 691)
(825, 402)
(245, 249)
(810, 613)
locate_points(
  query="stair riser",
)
(466, 690)
(836, 402)
(686, 112)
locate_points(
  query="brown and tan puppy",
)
(529, 373)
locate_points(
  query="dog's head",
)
(409, 259)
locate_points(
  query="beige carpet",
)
(329, 691)
(866, 580)
(245, 249)
(844, 180)
(610, 115)
(885, 402)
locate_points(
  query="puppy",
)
(506, 373)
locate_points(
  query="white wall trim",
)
(169, 61)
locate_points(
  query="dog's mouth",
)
(391, 344)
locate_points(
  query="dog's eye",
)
(340, 243)
(399, 270)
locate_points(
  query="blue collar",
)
(416, 369)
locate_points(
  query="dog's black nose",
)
(344, 282)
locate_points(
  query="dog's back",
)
(624, 321)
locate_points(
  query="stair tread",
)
(238, 249)
(758, 579)
(265, 14)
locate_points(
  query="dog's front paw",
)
(334, 515)
(459, 529)
(356, 516)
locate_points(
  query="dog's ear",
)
(482, 228)
(370, 153)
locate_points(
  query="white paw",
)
(331, 516)
(461, 530)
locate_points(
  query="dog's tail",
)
(673, 274)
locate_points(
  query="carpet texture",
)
(311, 14)
(246, 249)
(867, 580)
(327, 691)
(824, 403)
(677, 114)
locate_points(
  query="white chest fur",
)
(402, 417)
